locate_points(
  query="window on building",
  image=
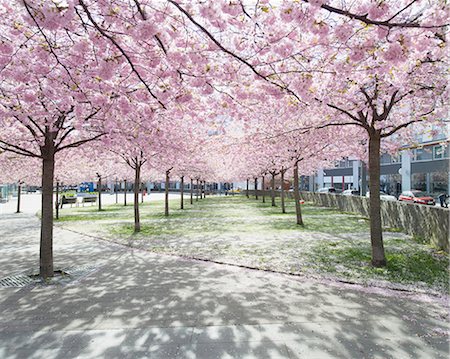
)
(440, 152)
(419, 181)
(423, 154)
(385, 158)
(396, 158)
(438, 183)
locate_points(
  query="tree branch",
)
(79, 143)
(17, 149)
(122, 51)
(232, 54)
(386, 23)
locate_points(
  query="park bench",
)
(68, 200)
(88, 200)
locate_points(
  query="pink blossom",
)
(376, 11)
(394, 53)
(343, 32)
(6, 48)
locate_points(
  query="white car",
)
(350, 192)
(327, 190)
(383, 196)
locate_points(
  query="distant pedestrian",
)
(443, 199)
(62, 200)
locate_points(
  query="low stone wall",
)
(428, 222)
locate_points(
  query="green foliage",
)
(407, 263)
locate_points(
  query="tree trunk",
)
(283, 205)
(263, 184)
(376, 234)
(117, 192)
(246, 191)
(137, 181)
(125, 192)
(166, 195)
(182, 193)
(298, 209)
(19, 192)
(272, 192)
(256, 188)
(196, 192)
(192, 191)
(142, 192)
(201, 189)
(99, 193)
(46, 240)
(57, 204)
(205, 189)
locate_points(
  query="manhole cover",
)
(20, 280)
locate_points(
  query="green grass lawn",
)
(244, 231)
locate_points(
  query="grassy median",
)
(243, 231)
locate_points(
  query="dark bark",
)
(376, 234)
(46, 238)
(197, 192)
(272, 192)
(263, 184)
(246, 191)
(182, 192)
(256, 188)
(116, 189)
(57, 204)
(124, 192)
(192, 191)
(99, 185)
(19, 192)
(166, 194)
(283, 205)
(205, 189)
(298, 209)
(201, 189)
(142, 192)
(137, 181)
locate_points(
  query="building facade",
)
(424, 167)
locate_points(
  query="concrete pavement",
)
(141, 305)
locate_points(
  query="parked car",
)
(327, 190)
(384, 196)
(416, 196)
(350, 192)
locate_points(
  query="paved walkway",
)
(141, 305)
